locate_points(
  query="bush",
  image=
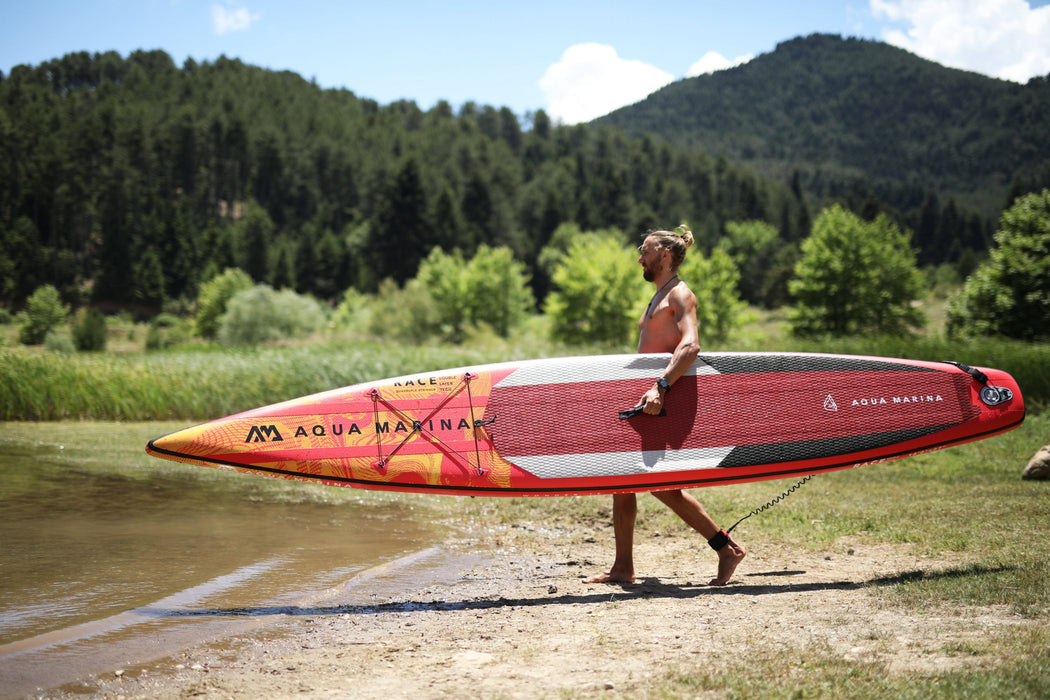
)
(408, 315)
(353, 312)
(89, 330)
(44, 311)
(942, 280)
(59, 340)
(259, 315)
(167, 329)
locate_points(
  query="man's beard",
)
(648, 274)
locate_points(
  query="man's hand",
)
(652, 401)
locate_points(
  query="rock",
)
(1038, 468)
(472, 659)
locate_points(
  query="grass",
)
(818, 674)
(198, 384)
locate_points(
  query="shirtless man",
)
(668, 325)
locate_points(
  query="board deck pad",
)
(552, 426)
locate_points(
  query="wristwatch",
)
(663, 384)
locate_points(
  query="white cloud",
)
(1005, 39)
(591, 80)
(713, 61)
(228, 18)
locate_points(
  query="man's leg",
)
(625, 512)
(689, 510)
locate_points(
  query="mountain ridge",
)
(847, 114)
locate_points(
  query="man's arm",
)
(688, 348)
(683, 303)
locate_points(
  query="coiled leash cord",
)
(721, 538)
(773, 502)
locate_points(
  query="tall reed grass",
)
(197, 384)
(207, 382)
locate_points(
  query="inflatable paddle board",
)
(563, 426)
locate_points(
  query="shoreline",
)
(512, 618)
(132, 638)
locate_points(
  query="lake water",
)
(110, 557)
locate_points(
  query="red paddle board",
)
(553, 426)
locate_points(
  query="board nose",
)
(179, 445)
(164, 445)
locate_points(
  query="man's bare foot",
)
(612, 576)
(729, 557)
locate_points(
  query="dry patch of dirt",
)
(518, 622)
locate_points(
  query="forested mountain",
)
(850, 118)
(131, 181)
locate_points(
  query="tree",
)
(216, 165)
(478, 211)
(305, 262)
(44, 311)
(215, 294)
(330, 265)
(283, 274)
(498, 291)
(752, 245)
(855, 277)
(254, 234)
(777, 276)
(598, 291)
(399, 236)
(147, 279)
(21, 259)
(89, 330)
(491, 289)
(443, 276)
(1009, 294)
(446, 220)
(714, 281)
(561, 241)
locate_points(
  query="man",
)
(668, 325)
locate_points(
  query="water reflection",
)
(88, 551)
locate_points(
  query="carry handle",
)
(637, 410)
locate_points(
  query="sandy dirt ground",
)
(509, 616)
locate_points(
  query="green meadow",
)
(965, 504)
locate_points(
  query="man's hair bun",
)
(687, 235)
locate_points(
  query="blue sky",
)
(577, 60)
